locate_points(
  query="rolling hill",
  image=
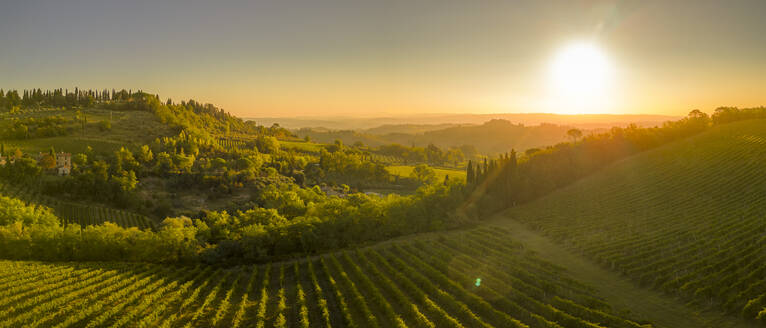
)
(686, 218)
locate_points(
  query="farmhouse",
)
(63, 164)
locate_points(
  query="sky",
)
(364, 58)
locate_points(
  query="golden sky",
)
(378, 58)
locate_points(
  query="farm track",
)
(620, 292)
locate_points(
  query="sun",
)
(580, 79)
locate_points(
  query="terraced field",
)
(475, 278)
(72, 212)
(688, 219)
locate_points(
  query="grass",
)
(406, 171)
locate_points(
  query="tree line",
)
(430, 154)
(293, 221)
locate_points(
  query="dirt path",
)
(621, 293)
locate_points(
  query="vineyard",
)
(475, 278)
(686, 219)
(228, 143)
(71, 212)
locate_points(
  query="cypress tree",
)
(510, 178)
(469, 175)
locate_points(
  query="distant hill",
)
(408, 128)
(489, 133)
(584, 121)
(495, 136)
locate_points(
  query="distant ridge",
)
(583, 121)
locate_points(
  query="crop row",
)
(685, 219)
(430, 282)
(77, 213)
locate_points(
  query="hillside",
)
(686, 218)
(125, 128)
(98, 157)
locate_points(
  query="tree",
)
(455, 156)
(24, 168)
(145, 155)
(80, 160)
(267, 144)
(336, 146)
(697, 114)
(48, 162)
(424, 174)
(164, 164)
(697, 120)
(126, 180)
(469, 176)
(574, 134)
(13, 210)
(123, 160)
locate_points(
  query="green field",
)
(302, 146)
(406, 170)
(686, 219)
(432, 281)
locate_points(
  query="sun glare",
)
(580, 79)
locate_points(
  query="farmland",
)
(406, 170)
(685, 219)
(474, 278)
(301, 146)
(77, 213)
(249, 237)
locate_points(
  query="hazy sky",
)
(370, 58)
